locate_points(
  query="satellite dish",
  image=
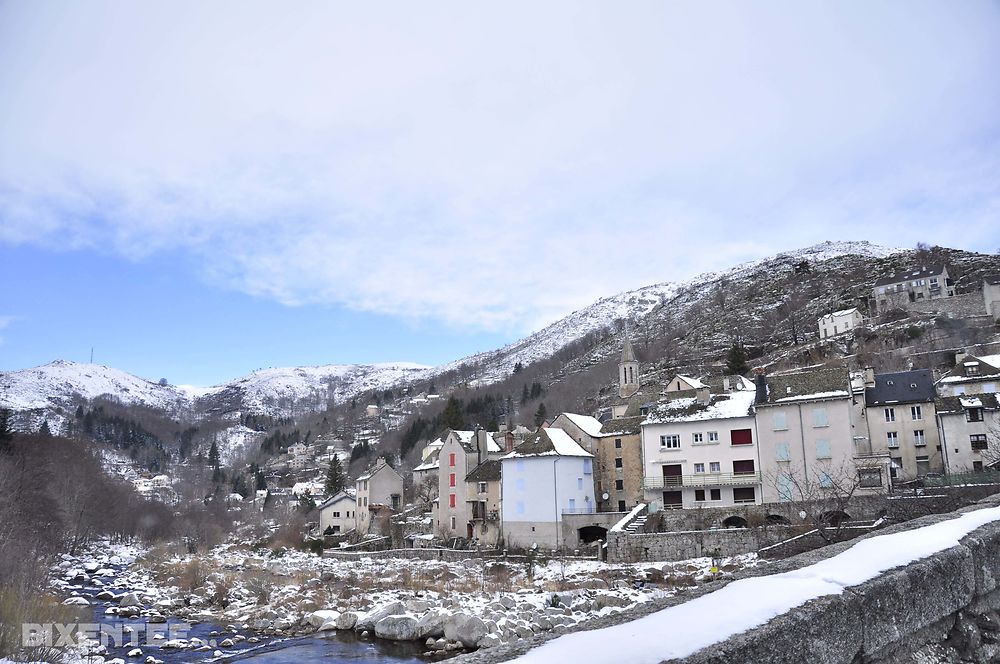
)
(605, 495)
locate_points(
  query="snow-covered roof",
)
(721, 406)
(695, 383)
(832, 394)
(430, 464)
(548, 442)
(336, 498)
(971, 402)
(589, 425)
(843, 312)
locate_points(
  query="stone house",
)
(970, 432)
(899, 410)
(546, 476)
(971, 375)
(899, 290)
(807, 424)
(680, 383)
(839, 322)
(337, 513)
(483, 497)
(379, 487)
(616, 446)
(991, 296)
(701, 451)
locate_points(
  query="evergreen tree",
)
(213, 461)
(517, 367)
(79, 412)
(6, 432)
(525, 395)
(44, 430)
(334, 477)
(261, 481)
(452, 417)
(736, 360)
(306, 503)
(540, 414)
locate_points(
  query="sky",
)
(196, 190)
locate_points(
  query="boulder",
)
(431, 624)
(397, 628)
(76, 601)
(135, 652)
(489, 641)
(507, 602)
(129, 599)
(347, 620)
(317, 618)
(465, 629)
(367, 622)
(417, 605)
(105, 595)
(602, 601)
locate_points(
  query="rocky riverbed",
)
(258, 598)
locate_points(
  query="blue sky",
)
(200, 189)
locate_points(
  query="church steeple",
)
(628, 371)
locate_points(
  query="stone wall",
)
(411, 554)
(627, 548)
(960, 306)
(943, 608)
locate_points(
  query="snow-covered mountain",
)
(288, 391)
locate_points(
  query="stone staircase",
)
(637, 525)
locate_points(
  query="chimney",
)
(703, 395)
(481, 444)
(960, 356)
(761, 380)
(508, 440)
(869, 377)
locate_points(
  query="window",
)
(823, 449)
(619, 485)
(785, 485)
(978, 441)
(697, 438)
(825, 479)
(572, 504)
(923, 465)
(621, 506)
(519, 484)
(453, 523)
(916, 413)
(741, 437)
(618, 462)
(699, 495)
(451, 459)
(519, 507)
(972, 369)
(782, 452)
(977, 466)
(520, 465)
(714, 467)
(918, 438)
(743, 467)
(451, 501)
(451, 479)
(672, 442)
(699, 467)
(744, 495)
(819, 417)
(715, 494)
(895, 463)
(870, 478)
(974, 415)
(588, 467)
(890, 414)
(713, 436)
(618, 443)
(779, 421)
(579, 484)
(892, 439)
(336, 529)
(336, 515)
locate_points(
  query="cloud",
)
(485, 167)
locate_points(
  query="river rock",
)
(464, 628)
(76, 601)
(317, 618)
(347, 620)
(489, 641)
(135, 652)
(367, 622)
(129, 599)
(226, 643)
(602, 601)
(507, 602)
(431, 624)
(397, 628)
(417, 605)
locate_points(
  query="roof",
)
(945, 405)
(628, 355)
(488, 471)
(432, 461)
(695, 383)
(336, 498)
(901, 387)
(908, 275)
(992, 280)
(720, 406)
(622, 426)
(813, 385)
(380, 465)
(548, 442)
(842, 312)
(590, 425)
(992, 361)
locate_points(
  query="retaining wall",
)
(943, 608)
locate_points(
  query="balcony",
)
(589, 509)
(702, 479)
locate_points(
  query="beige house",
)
(807, 424)
(971, 375)
(899, 290)
(379, 487)
(461, 453)
(991, 296)
(337, 514)
(482, 491)
(839, 322)
(680, 383)
(970, 432)
(702, 452)
(899, 410)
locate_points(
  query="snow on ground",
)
(708, 619)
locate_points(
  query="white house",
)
(337, 513)
(972, 374)
(546, 476)
(701, 452)
(968, 426)
(839, 322)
